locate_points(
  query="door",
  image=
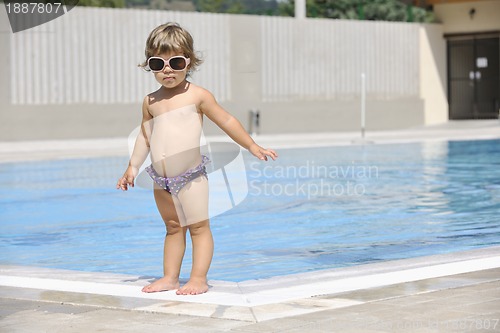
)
(474, 77)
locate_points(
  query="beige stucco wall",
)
(433, 80)
(456, 19)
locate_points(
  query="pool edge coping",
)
(264, 303)
(254, 293)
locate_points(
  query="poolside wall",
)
(76, 76)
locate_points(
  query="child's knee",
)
(173, 227)
(198, 228)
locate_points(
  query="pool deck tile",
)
(376, 316)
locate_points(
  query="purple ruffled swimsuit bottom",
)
(174, 184)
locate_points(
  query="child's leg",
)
(175, 244)
(203, 249)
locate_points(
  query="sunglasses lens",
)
(156, 64)
(177, 63)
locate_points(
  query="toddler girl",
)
(170, 131)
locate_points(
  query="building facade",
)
(472, 33)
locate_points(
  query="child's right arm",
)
(141, 149)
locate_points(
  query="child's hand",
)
(262, 153)
(127, 179)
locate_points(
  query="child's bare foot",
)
(194, 287)
(162, 284)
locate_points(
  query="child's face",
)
(168, 77)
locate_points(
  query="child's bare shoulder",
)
(153, 95)
(148, 101)
(200, 93)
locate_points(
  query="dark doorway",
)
(474, 76)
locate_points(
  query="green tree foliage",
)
(138, 3)
(102, 3)
(260, 7)
(218, 6)
(376, 10)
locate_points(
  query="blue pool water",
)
(313, 209)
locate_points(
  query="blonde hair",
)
(171, 38)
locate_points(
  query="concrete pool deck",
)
(457, 292)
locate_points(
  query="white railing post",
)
(363, 104)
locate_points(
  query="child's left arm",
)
(232, 127)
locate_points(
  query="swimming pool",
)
(313, 209)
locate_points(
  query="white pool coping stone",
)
(257, 300)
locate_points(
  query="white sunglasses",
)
(176, 63)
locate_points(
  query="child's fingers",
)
(262, 153)
(122, 185)
(130, 180)
(269, 152)
(124, 182)
(272, 154)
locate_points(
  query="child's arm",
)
(232, 126)
(141, 150)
